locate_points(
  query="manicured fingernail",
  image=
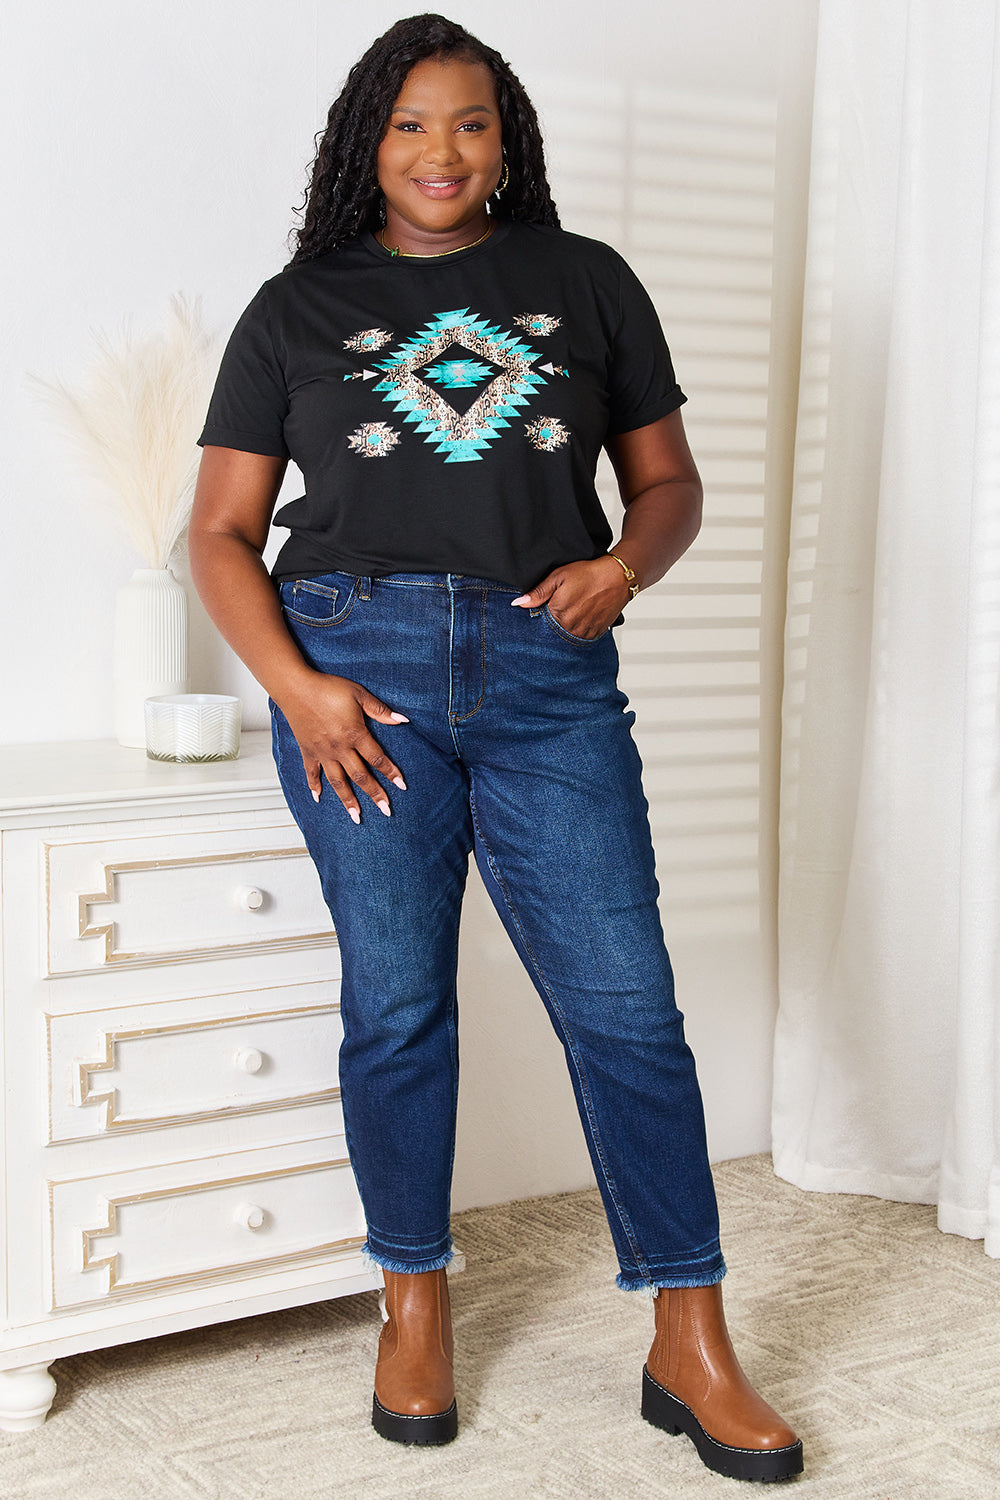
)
(384, 807)
(399, 718)
(523, 599)
(398, 781)
(315, 794)
(354, 815)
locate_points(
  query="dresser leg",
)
(25, 1397)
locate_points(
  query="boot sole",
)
(437, 1427)
(765, 1465)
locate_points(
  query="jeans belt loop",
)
(364, 588)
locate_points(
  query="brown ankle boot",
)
(414, 1399)
(693, 1383)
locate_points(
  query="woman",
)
(444, 365)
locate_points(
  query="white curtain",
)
(888, 1037)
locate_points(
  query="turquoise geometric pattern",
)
(455, 373)
(539, 324)
(373, 439)
(462, 437)
(368, 339)
(547, 434)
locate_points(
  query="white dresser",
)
(173, 1148)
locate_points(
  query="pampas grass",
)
(135, 421)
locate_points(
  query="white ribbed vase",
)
(151, 655)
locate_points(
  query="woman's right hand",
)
(233, 503)
(329, 721)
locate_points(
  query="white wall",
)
(160, 148)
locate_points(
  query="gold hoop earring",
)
(506, 178)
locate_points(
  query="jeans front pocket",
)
(566, 635)
(307, 601)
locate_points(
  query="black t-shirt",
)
(447, 414)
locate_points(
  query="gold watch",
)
(633, 587)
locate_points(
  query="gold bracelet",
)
(633, 587)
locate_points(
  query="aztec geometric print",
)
(437, 359)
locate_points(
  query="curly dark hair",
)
(344, 198)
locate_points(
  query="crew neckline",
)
(446, 258)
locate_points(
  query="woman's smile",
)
(439, 187)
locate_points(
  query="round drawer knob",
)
(249, 898)
(249, 1059)
(249, 1215)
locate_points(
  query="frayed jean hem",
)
(374, 1260)
(651, 1287)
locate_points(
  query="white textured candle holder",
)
(192, 727)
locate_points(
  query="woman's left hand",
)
(583, 597)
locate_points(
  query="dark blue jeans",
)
(518, 747)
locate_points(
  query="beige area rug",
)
(877, 1336)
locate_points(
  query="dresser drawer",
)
(139, 901)
(135, 1069)
(155, 1230)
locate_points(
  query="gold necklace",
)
(413, 255)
